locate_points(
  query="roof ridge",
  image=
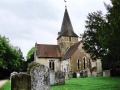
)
(71, 50)
(48, 44)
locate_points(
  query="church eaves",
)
(66, 28)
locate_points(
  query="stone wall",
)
(40, 78)
(64, 43)
(57, 78)
(20, 82)
(45, 61)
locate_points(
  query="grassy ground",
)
(92, 83)
(7, 86)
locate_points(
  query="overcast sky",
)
(26, 22)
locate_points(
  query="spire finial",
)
(65, 4)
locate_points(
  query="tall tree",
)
(9, 56)
(30, 53)
(91, 35)
(29, 59)
(102, 35)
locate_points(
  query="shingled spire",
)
(66, 28)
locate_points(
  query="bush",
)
(31, 65)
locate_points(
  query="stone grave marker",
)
(40, 77)
(20, 82)
(81, 74)
(78, 74)
(106, 73)
(57, 78)
(60, 77)
(52, 77)
(70, 74)
(74, 75)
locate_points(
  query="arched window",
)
(51, 64)
(84, 63)
(89, 63)
(78, 62)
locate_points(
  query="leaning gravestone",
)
(40, 77)
(106, 73)
(20, 82)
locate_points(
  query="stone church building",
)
(68, 54)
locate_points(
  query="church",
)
(68, 55)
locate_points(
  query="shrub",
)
(31, 65)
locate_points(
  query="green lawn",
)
(92, 83)
(7, 86)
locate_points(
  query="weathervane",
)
(65, 3)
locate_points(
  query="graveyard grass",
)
(89, 83)
(7, 86)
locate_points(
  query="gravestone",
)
(13, 73)
(40, 77)
(57, 78)
(85, 73)
(66, 76)
(78, 74)
(88, 72)
(60, 77)
(81, 74)
(106, 73)
(70, 74)
(20, 82)
(74, 75)
(94, 74)
(99, 67)
(52, 77)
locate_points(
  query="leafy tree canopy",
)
(102, 35)
(30, 52)
(10, 56)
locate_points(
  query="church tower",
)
(66, 37)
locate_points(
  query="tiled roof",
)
(66, 28)
(71, 51)
(44, 50)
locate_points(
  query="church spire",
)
(66, 28)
